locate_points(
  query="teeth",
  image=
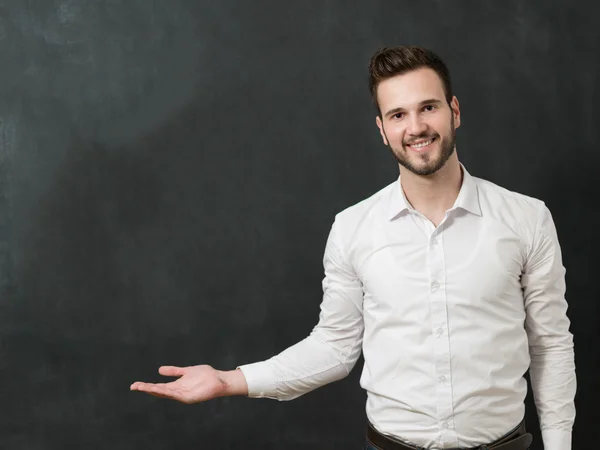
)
(422, 144)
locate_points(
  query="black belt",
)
(517, 439)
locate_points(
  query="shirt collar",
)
(468, 197)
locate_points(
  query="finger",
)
(146, 387)
(171, 371)
(161, 390)
(139, 385)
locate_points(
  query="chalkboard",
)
(170, 170)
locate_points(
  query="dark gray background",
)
(170, 169)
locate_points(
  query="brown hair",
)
(388, 62)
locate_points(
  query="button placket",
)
(441, 343)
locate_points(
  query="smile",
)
(421, 145)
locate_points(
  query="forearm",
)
(553, 382)
(300, 369)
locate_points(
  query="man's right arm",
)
(326, 355)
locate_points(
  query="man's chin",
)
(421, 168)
(425, 171)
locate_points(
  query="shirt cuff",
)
(556, 439)
(260, 379)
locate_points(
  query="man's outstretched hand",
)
(195, 384)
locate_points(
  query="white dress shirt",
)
(448, 318)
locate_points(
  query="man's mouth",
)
(421, 145)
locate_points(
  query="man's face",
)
(416, 122)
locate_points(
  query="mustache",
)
(419, 138)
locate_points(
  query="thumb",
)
(171, 371)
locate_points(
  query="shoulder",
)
(508, 204)
(355, 225)
(374, 207)
(525, 215)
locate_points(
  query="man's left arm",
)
(552, 368)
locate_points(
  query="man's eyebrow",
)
(429, 101)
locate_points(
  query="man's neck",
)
(433, 195)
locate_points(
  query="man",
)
(451, 286)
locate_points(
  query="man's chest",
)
(412, 270)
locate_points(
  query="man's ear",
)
(380, 126)
(455, 111)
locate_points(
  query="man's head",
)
(412, 91)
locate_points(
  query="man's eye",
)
(397, 116)
(429, 108)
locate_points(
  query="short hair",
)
(387, 62)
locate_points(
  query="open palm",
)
(195, 384)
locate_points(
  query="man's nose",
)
(416, 126)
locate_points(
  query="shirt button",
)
(443, 378)
(445, 425)
(439, 332)
(435, 286)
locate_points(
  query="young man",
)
(451, 286)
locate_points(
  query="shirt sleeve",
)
(331, 350)
(552, 368)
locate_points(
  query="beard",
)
(432, 164)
